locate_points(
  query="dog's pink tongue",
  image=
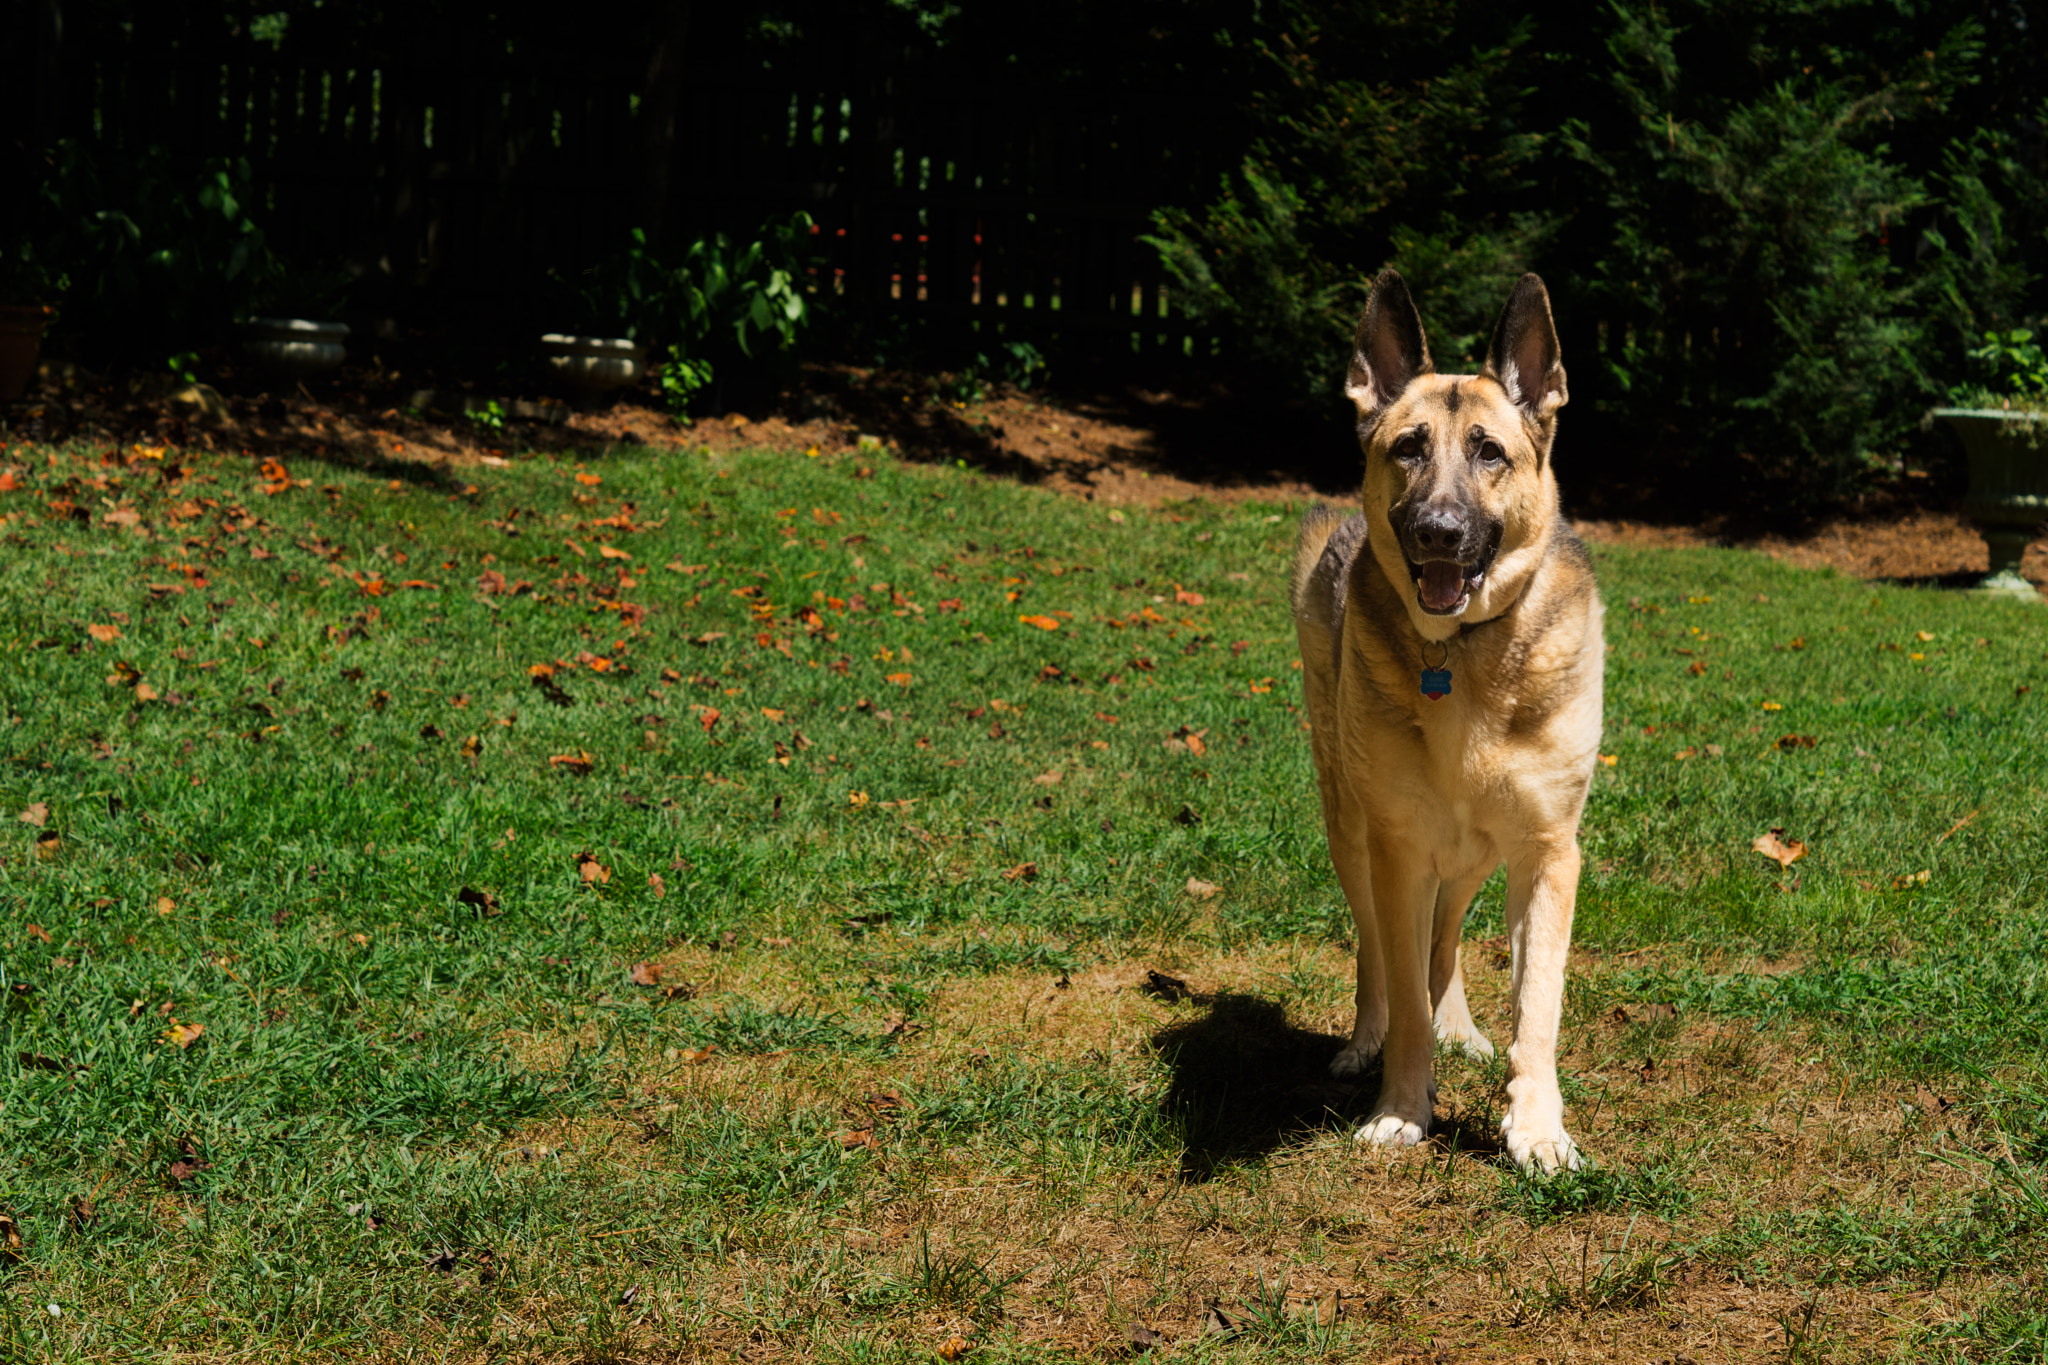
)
(1442, 584)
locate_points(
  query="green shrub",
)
(722, 314)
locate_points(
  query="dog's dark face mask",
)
(1447, 515)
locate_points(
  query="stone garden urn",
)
(590, 367)
(2008, 497)
(293, 348)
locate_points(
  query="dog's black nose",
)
(1438, 532)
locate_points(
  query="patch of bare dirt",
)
(1126, 448)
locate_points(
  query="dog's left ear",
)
(1523, 355)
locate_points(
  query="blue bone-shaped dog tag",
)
(1436, 683)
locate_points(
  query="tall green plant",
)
(721, 308)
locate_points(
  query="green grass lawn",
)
(690, 907)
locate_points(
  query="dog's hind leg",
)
(1454, 1023)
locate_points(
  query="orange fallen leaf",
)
(657, 885)
(579, 762)
(183, 1036)
(590, 480)
(1609, 760)
(1051, 779)
(900, 679)
(39, 933)
(644, 974)
(36, 813)
(1780, 850)
(1188, 599)
(1200, 889)
(774, 713)
(612, 552)
(593, 872)
(1022, 872)
(103, 633)
(1042, 622)
(952, 1348)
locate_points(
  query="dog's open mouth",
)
(1444, 586)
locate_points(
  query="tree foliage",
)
(1773, 228)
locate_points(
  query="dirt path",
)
(1132, 448)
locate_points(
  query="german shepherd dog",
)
(1451, 654)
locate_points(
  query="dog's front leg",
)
(1404, 889)
(1542, 890)
(1369, 1026)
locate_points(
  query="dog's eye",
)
(1492, 453)
(1409, 447)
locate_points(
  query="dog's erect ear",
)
(1523, 355)
(1389, 350)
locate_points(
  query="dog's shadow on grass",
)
(1245, 1082)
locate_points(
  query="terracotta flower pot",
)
(2008, 497)
(21, 341)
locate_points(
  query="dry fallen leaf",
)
(1171, 989)
(579, 762)
(1200, 889)
(183, 1036)
(36, 813)
(1911, 879)
(1022, 872)
(644, 974)
(591, 870)
(39, 933)
(657, 885)
(1775, 846)
(1042, 622)
(1051, 779)
(105, 634)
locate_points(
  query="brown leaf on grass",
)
(1911, 880)
(38, 932)
(10, 1241)
(189, 1162)
(954, 1347)
(483, 902)
(593, 872)
(579, 763)
(83, 1214)
(1186, 817)
(182, 1036)
(1200, 889)
(1022, 872)
(1139, 1340)
(896, 1026)
(1051, 779)
(644, 974)
(47, 844)
(860, 1137)
(473, 746)
(707, 637)
(657, 885)
(1171, 989)
(1796, 741)
(1041, 622)
(105, 634)
(1780, 850)
(36, 813)
(697, 1056)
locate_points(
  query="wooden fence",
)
(466, 181)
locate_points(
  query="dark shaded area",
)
(1246, 1082)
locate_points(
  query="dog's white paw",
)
(1389, 1130)
(1350, 1062)
(1473, 1041)
(1540, 1148)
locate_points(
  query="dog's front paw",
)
(1351, 1062)
(1390, 1130)
(1540, 1148)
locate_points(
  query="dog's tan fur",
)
(1422, 799)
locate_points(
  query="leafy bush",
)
(147, 258)
(1773, 232)
(2012, 369)
(722, 314)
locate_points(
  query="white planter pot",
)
(293, 348)
(2008, 497)
(591, 366)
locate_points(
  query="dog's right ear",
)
(1389, 350)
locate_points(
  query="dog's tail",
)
(1318, 524)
